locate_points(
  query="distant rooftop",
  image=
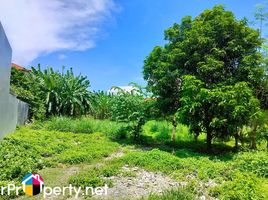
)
(128, 89)
(20, 68)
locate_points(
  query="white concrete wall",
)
(8, 103)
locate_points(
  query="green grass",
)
(93, 177)
(153, 131)
(46, 147)
(160, 132)
(30, 150)
(178, 194)
(111, 129)
(233, 181)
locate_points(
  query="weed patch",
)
(31, 150)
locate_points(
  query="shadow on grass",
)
(182, 149)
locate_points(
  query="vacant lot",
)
(87, 152)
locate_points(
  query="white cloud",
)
(38, 27)
(62, 56)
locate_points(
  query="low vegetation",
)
(226, 176)
(30, 150)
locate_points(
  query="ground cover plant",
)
(201, 122)
(219, 177)
(61, 141)
(245, 172)
(32, 150)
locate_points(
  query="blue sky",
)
(127, 35)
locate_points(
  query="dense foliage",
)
(206, 61)
(118, 107)
(65, 93)
(27, 89)
(51, 92)
(124, 106)
(221, 112)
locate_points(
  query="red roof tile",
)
(19, 67)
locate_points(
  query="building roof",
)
(20, 68)
(127, 89)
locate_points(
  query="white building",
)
(129, 89)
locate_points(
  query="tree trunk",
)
(241, 138)
(242, 141)
(195, 137)
(209, 140)
(253, 137)
(236, 141)
(267, 143)
(174, 123)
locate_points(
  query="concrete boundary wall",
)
(10, 106)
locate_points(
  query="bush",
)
(114, 130)
(28, 91)
(123, 105)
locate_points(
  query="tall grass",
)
(152, 132)
(112, 129)
(161, 132)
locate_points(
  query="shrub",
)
(125, 105)
(121, 105)
(28, 91)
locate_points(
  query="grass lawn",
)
(82, 156)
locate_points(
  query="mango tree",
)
(218, 50)
(219, 112)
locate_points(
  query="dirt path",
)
(136, 184)
(140, 184)
(59, 176)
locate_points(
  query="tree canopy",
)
(205, 63)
